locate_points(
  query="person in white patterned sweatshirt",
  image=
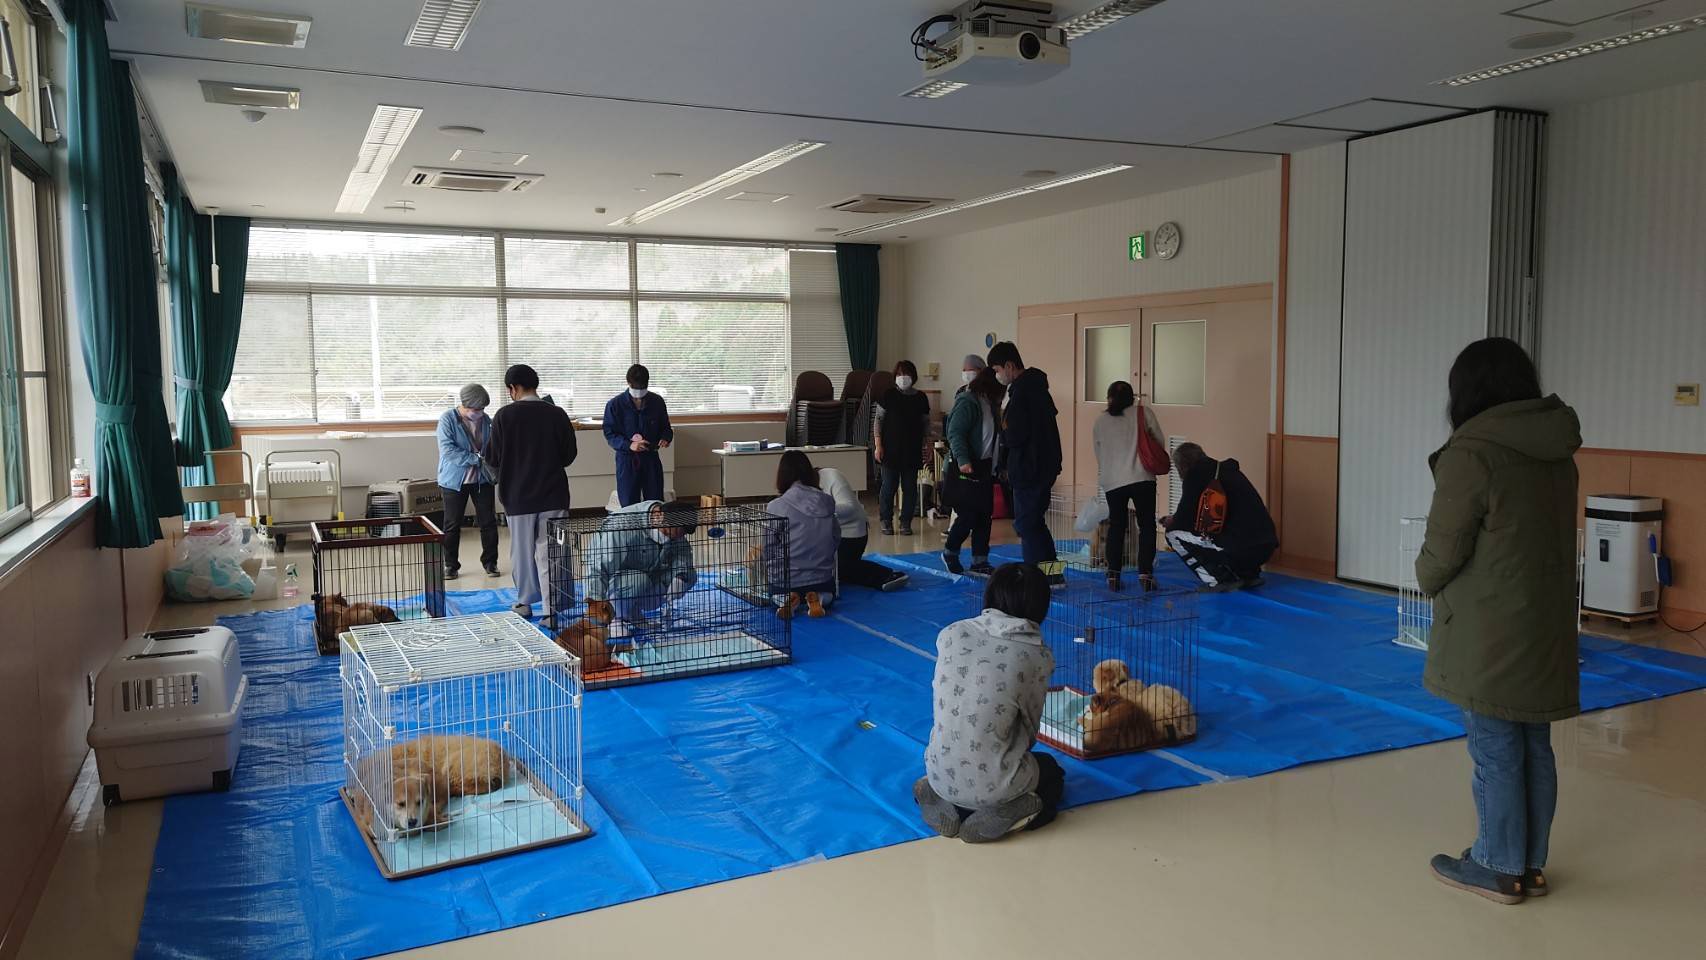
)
(982, 779)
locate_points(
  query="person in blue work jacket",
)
(636, 425)
(639, 564)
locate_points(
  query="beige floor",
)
(1323, 861)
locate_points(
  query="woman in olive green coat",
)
(1500, 563)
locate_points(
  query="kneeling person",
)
(1222, 531)
(982, 779)
(639, 563)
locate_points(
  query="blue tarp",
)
(706, 779)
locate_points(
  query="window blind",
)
(817, 337)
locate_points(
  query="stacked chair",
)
(816, 417)
(852, 395)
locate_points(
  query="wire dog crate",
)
(375, 571)
(657, 592)
(1083, 549)
(462, 741)
(1415, 611)
(1125, 672)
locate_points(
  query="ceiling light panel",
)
(242, 26)
(933, 89)
(443, 24)
(1102, 16)
(251, 95)
(1614, 42)
(956, 207)
(722, 181)
(495, 158)
(386, 134)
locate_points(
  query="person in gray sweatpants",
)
(532, 445)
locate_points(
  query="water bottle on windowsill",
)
(80, 485)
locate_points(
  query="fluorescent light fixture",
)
(443, 24)
(1579, 50)
(1037, 187)
(722, 181)
(243, 26)
(251, 95)
(386, 133)
(1105, 15)
(933, 89)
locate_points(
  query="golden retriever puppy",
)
(337, 615)
(464, 766)
(1108, 675)
(1112, 724)
(589, 640)
(1169, 711)
(406, 798)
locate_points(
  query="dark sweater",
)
(905, 417)
(1249, 527)
(533, 443)
(1030, 433)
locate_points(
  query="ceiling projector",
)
(996, 42)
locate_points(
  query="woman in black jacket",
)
(903, 414)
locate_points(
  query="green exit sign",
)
(1139, 246)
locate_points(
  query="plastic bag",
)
(209, 561)
(1094, 511)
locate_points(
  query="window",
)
(33, 452)
(18, 64)
(1180, 362)
(345, 325)
(1107, 358)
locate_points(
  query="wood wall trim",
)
(416, 426)
(1300, 438)
(1182, 298)
(12, 935)
(1324, 569)
(1643, 454)
(1276, 462)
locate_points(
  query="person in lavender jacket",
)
(813, 538)
(464, 432)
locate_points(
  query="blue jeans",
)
(896, 480)
(1516, 792)
(1030, 512)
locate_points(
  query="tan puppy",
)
(1169, 711)
(463, 766)
(411, 801)
(337, 615)
(589, 640)
(1112, 724)
(1108, 675)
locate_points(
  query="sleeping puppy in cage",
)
(461, 766)
(413, 801)
(1168, 709)
(1113, 723)
(337, 615)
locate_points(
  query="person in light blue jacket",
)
(464, 434)
(640, 563)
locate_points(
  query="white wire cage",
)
(462, 740)
(1416, 611)
(1078, 519)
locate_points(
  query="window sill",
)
(18, 546)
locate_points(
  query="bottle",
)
(80, 486)
(291, 587)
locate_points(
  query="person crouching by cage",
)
(851, 565)
(982, 779)
(807, 564)
(639, 565)
(1222, 531)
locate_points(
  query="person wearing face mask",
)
(636, 425)
(640, 564)
(1030, 440)
(531, 448)
(464, 433)
(970, 367)
(972, 430)
(903, 417)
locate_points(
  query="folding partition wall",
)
(1441, 226)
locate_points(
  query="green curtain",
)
(205, 323)
(861, 288)
(117, 306)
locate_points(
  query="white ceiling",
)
(601, 94)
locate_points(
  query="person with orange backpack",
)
(1222, 531)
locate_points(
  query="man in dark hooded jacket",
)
(1222, 531)
(1030, 440)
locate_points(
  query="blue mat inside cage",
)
(699, 780)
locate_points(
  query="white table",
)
(753, 473)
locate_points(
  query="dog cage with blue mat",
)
(660, 591)
(461, 740)
(1125, 671)
(375, 571)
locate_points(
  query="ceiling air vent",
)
(882, 203)
(472, 181)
